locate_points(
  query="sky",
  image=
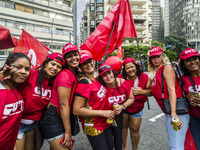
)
(81, 6)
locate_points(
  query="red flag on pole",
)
(33, 48)
(120, 52)
(125, 27)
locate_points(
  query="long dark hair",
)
(183, 68)
(42, 74)
(13, 57)
(139, 71)
(100, 80)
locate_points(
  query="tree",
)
(179, 43)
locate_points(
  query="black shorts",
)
(51, 124)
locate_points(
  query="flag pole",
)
(142, 67)
(109, 40)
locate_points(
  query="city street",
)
(153, 132)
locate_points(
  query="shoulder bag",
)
(181, 102)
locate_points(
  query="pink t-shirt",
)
(10, 113)
(96, 95)
(33, 103)
(187, 87)
(66, 79)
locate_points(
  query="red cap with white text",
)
(155, 51)
(69, 47)
(187, 53)
(56, 56)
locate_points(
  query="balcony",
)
(138, 2)
(139, 17)
(138, 10)
(141, 36)
(140, 27)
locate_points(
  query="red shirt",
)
(96, 95)
(119, 95)
(138, 105)
(66, 79)
(33, 103)
(187, 87)
(156, 88)
(11, 107)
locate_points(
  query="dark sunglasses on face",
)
(103, 68)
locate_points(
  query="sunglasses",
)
(104, 68)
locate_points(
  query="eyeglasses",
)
(103, 68)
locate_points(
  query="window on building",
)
(9, 5)
(53, 30)
(10, 24)
(45, 13)
(59, 31)
(19, 7)
(92, 8)
(2, 4)
(45, 29)
(28, 9)
(92, 22)
(66, 32)
(100, 8)
(100, 16)
(3, 22)
(58, 16)
(29, 27)
(37, 11)
(20, 25)
(99, 1)
(37, 28)
(2, 52)
(91, 1)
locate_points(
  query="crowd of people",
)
(107, 105)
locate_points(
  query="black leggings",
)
(117, 132)
(103, 141)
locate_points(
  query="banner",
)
(125, 27)
(33, 48)
(120, 52)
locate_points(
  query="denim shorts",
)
(135, 115)
(51, 125)
(23, 128)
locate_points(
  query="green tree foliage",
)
(179, 43)
(112, 54)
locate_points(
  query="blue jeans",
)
(176, 138)
(25, 128)
(195, 130)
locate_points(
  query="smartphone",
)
(61, 141)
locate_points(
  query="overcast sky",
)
(81, 6)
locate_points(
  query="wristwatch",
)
(124, 107)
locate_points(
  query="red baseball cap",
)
(114, 62)
(128, 60)
(104, 68)
(69, 47)
(155, 51)
(187, 53)
(54, 57)
(85, 55)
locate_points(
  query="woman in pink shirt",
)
(16, 70)
(55, 122)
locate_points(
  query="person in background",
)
(157, 62)
(36, 92)
(118, 92)
(190, 66)
(55, 122)
(16, 71)
(132, 116)
(90, 103)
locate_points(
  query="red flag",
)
(32, 47)
(189, 143)
(120, 52)
(125, 27)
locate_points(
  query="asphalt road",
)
(153, 132)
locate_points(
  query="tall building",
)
(157, 24)
(184, 20)
(50, 21)
(96, 10)
(166, 18)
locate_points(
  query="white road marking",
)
(156, 117)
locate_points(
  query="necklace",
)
(89, 78)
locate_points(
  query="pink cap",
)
(69, 47)
(54, 57)
(155, 51)
(115, 63)
(187, 53)
(85, 55)
(128, 60)
(104, 68)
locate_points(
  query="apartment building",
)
(96, 10)
(50, 21)
(184, 20)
